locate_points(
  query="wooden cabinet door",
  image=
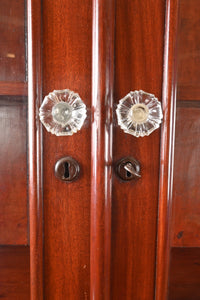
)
(94, 238)
(99, 237)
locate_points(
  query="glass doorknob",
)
(62, 112)
(139, 113)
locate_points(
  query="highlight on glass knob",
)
(62, 112)
(139, 113)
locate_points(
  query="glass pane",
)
(185, 223)
(12, 41)
(14, 237)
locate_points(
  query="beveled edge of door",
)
(166, 152)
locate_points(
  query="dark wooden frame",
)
(167, 151)
(35, 149)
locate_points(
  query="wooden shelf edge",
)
(13, 88)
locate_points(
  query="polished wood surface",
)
(184, 274)
(101, 147)
(186, 189)
(12, 41)
(35, 144)
(13, 175)
(14, 273)
(90, 250)
(138, 65)
(166, 153)
(67, 40)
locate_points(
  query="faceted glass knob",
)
(62, 112)
(139, 113)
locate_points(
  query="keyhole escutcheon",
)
(67, 169)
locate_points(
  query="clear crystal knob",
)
(139, 113)
(62, 112)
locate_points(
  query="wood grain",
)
(139, 64)
(166, 153)
(67, 40)
(35, 143)
(101, 147)
(184, 277)
(14, 273)
(12, 41)
(13, 175)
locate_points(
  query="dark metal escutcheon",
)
(67, 169)
(128, 168)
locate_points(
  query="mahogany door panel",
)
(138, 65)
(67, 34)
(94, 238)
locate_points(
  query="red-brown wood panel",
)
(13, 175)
(67, 40)
(188, 54)
(184, 277)
(139, 65)
(12, 40)
(14, 273)
(186, 188)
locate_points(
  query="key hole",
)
(66, 174)
(128, 174)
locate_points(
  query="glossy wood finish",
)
(13, 175)
(101, 147)
(67, 40)
(139, 64)
(186, 190)
(184, 274)
(166, 155)
(14, 273)
(35, 149)
(12, 45)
